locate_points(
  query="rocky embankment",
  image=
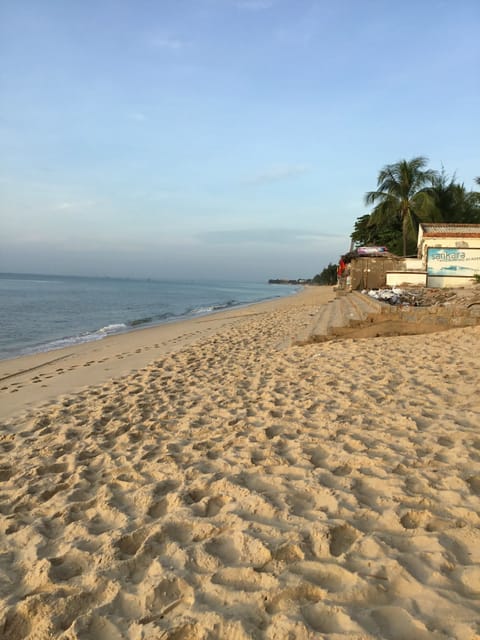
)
(460, 298)
(409, 311)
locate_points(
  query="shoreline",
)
(32, 379)
(124, 326)
(223, 481)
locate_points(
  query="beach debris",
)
(423, 297)
(393, 296)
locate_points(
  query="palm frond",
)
(424, 208)
(388, 209)
(397, 194)
(371, 197)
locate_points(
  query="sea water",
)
(41, 313)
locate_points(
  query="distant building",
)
(369, 266)
(449, 253)
(448, 256)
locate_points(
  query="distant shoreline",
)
(299, 281)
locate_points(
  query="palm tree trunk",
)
(404, 231)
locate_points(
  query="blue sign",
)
(453, 262)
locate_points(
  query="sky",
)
(229, 139)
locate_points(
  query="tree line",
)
(407, 193)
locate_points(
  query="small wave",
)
(215, 307)
(165, 316)
(62, 343)
(140, 321)
(161, 317)
(199, 310)
(110, 328)
(226, 305)
(71, 341)
(116, 307)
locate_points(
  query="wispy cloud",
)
(254, 5)
(288, 237)
(278, 173)
(244, 5)
(166, 42)
(306, 26)
(137, 116)
(73, 205)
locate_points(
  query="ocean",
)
(42, 313)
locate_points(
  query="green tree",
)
(453, 202)
(369, 232)
(327, 276)
(363, 232)
(402, 195)
(477, 194)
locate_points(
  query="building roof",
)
(446, 230)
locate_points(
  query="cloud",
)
(278, 173)
(162, 41)
(288, 237)
(137, 116)
(64, 206)
(73, 205)
(305, 26)
(254, 5)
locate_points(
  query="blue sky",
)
(220, 138)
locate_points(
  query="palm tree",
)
(452, 201)
(476, 194)
(401, 195)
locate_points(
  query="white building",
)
(449, 253)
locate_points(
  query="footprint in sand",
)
(328, 619)
(414, 519)
(7, 446)
(273, 431)
(342, 538)
(474, 484)
(244, 579)
(6, 472)
(16, 625)
(129, 544)
(49, 493)
(294, 596)
(166, 596)
(214, 505)
(318, 456)
(66, 567)
(57, 467)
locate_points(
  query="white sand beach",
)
(213, 480)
